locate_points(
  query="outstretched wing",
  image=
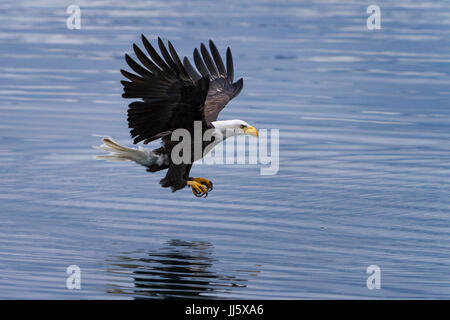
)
(221, 87)
(171, 99)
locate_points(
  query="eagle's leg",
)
(198, 189)
(197, 184)
(205, 182)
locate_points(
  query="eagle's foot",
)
(198, 189)
(205, 182)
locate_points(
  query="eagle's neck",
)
(226, 127)
(222, 129)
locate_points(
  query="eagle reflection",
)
(178, 270)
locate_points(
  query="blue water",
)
(364, 172)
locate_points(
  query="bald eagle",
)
(174, 95)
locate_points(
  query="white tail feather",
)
(117, 152)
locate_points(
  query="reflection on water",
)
(180, 269)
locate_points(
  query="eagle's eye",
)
(242, 126)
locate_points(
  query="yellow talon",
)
(205, 182)
(198, 189)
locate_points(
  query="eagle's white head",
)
(235, 127)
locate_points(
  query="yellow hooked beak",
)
(251, 131)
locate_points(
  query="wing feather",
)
(209, 61)
(134, 78)
(221, 88)
(190, 70)
(170, 99)
(136, 67)
(230, 67)
(145, 61)
(166, 55)
(154, 55)
(217, 58)
(200, 64)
